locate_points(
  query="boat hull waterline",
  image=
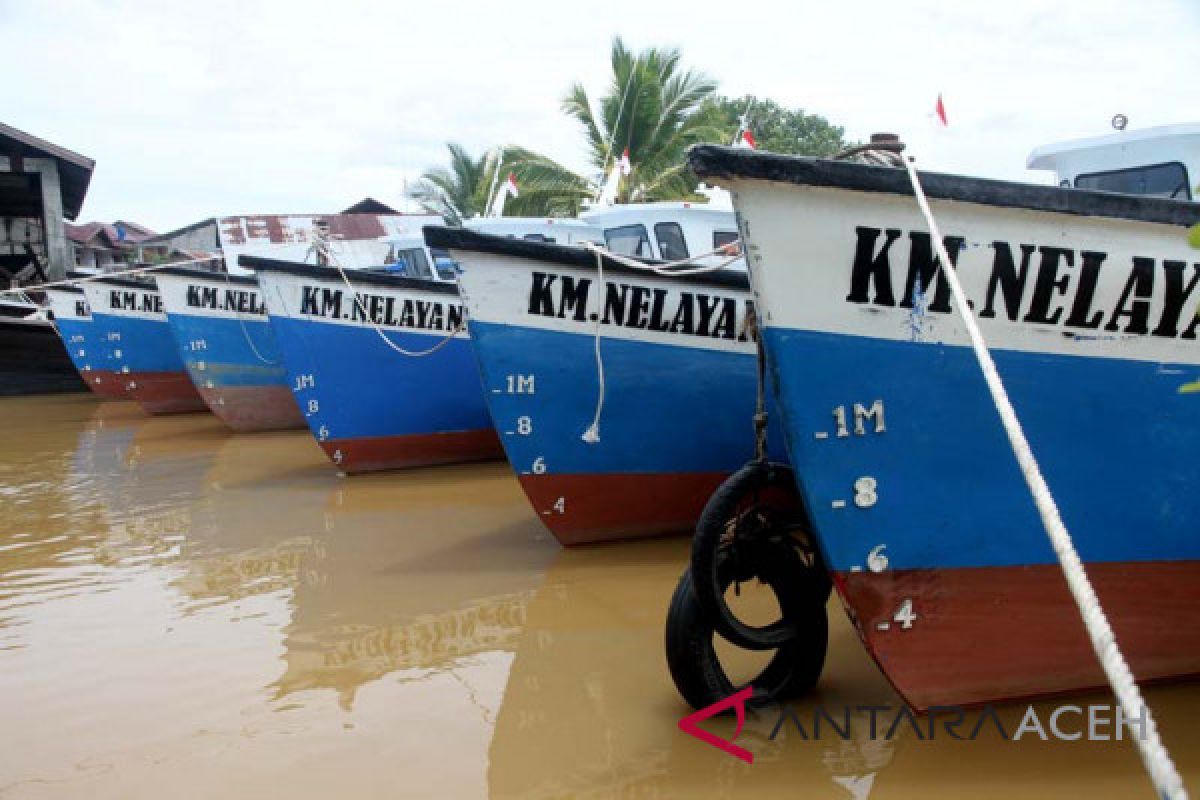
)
(227, 346)
(369, 406)
(138, 346)
(680, 384)
(1087, 302)
(73, 320)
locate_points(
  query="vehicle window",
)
(415, 264)
(1156, 180)
(722, 238)
(537, 237)
(670, 241)
(447, 267)
(629, 240)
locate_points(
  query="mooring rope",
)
(104, 275)
(592, 434)
(327, 251)
(246, 333)
(1157, 760)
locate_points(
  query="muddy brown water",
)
(185, 613)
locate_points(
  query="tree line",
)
(653, 108)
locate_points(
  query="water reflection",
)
(412, 576)
(183, 610)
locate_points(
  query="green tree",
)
(462, 189)
(775, 128)
(650, 109)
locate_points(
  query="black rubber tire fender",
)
(706, 555)
(697, 672)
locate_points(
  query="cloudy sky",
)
(225, 107)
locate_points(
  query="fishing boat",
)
(136, 344)
(378, 359)
(32, 358)
(679, 368)
(219, 323)
(73, 321)
(1088, 301)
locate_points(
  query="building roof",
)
(74, 170)
(369, 205)
(102, 234)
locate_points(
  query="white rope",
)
(592, 434)
(333, 262)
(1157, 761)
(105, 275)
(246, 333)
(670, 268)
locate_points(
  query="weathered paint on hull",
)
(106, 383)
(614, 506)
(253, 408)
(920, 508)
(368, 454)
(226, 344)
(164, 392)
(998, 633)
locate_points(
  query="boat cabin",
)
(1156, 162)
(664, 231)
(556, 230)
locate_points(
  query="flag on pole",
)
(746, 139)
(940, 109)
(624, 164)
(510, 185)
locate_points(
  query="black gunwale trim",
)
(566, 255)
(356, 276)
(73, 289)
(128, 283)
(717, 162)
(204, 274)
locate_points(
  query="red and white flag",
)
(746, 139)
(940, 110)
(510, 185)
(623, 164)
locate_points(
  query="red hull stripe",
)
(591, 507)
(254, 408)
(164, 392)
(988, 633)
(372, 453)
(105, 383)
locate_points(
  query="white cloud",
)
(221, 107)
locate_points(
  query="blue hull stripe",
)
(1118, 444)
(146, 345)
(349, 384)
(224, 348)
(667, 409)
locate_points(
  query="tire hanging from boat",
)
(754, 527)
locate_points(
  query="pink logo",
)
(738, 701)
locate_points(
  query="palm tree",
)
(650, 110)
(462, 190)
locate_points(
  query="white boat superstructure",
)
(1163, 161)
